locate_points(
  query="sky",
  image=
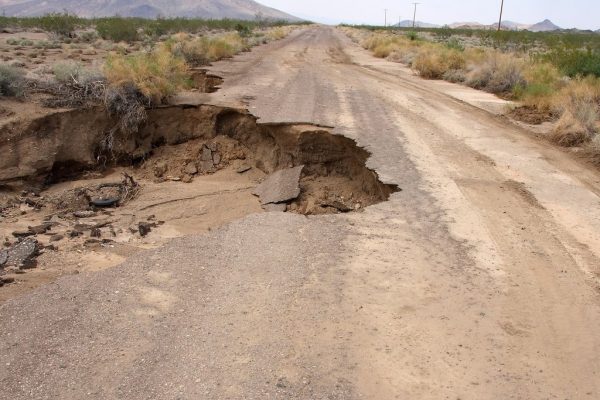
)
(583, 14)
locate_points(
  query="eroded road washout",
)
(187, 170)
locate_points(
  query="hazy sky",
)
(584, 14)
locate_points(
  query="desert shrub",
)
(156, 74)
(579, 105)
(243, 30)
(499, 73)
(88, 36)
(455, 76)
(277, 33)
(66, 71)
(60, 24)
(575, 62)
(412, 35)
(433, 63)
(12, 81)
(455, 44)
(117, 29)
(203, 50)
(541, 82)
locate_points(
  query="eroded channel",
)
(88, 195)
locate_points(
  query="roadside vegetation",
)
(555, 76)
(124, 64)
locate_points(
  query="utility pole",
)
(500, 20)
(415, 14)
(385, 23)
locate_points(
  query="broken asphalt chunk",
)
(281, 186)
(23, 254)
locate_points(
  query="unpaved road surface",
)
(479, 280)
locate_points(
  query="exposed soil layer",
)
(60, 146)
(90, 195)
(532, 115)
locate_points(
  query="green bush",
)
(117, 29)
(61, 24)
(575, 62)
(12, 81)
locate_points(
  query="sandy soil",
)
(479, 280)
(179, 208)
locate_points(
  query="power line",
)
(415, 14)
(500, 20)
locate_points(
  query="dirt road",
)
(479, 280)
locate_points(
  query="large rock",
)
(281, 186)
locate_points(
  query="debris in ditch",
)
(3, 257)
(6, 281)
(191, 169)
(145, 228)
(40, 229)
(102, 203)
(22, 255)
(281, 186)
(84, 214)
(160, 169)
(271, 207)
(95, 232)
(338, 204)
(22, 233)
(206, 160)
(243, 168)
(56, 238)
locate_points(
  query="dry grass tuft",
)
(434, 64)
(579, 105)
(156, 74)
(499, 73)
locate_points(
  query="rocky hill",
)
(215, 9)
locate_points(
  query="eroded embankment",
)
(61, 145)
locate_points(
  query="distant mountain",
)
(516, 26)
(467, 25)
(213, 9)
(544, 26)
(419, 24)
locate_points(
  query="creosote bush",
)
(12, 81)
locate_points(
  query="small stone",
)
(56, 238)
(39, 229)
(187, 179)
(3, 257)
(144, 228)
(243, 168)
(96, 232)
(212, 146)
(84, 214)
(191, 169)
(282, 207)
(82, 227)
(22, 234)
(216, 158)
(160, 168)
